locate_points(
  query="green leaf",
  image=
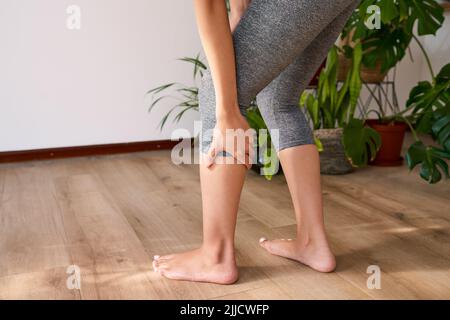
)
(431, 103)
(156, 101)
(385, 45)
(430, 160)
(389, 10)
(319, 144)
(361, 143)
(441, 129)
(255, 119)
(187, 95)
(430, 16)
(160, 88)
(398, 18)
(199, 66)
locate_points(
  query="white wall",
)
(68, 88)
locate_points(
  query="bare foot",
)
(318, 257)
(196, 266)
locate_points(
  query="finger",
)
(251, 156)
(248, 162)
(248, 143)
(240, 157)
(209, 161)
(243, 159)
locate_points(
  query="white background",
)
(68, 88)
(71, 88)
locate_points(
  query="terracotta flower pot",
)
(332, 159)
(315, 80)
(392, 136)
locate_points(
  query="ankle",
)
(307, 239)
(218, 252)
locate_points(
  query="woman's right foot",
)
(196, 265)
(317, 256)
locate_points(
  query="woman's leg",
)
(269, 37)
(299, 157)
(214, 261)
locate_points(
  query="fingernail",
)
(262, 240)
(156, 257)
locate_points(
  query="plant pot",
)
(332, 159)
(392, 136)
(315, 80)
(373, 75)
(368, 75)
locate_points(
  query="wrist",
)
(227, 112)
(236, 14)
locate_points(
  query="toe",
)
(166, 258)
(265, 243)
(162, 265)
(268, 245)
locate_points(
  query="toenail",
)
(262, 240)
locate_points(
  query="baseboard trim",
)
(82, 151)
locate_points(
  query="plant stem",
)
(380, 105)
(416, 138)
(427, 58)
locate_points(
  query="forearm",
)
(215, 33)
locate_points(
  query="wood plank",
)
(109, 254)
(110, 215)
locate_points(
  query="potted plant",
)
(344, 140)
(265, 150)
(430, 106)
(385, 46)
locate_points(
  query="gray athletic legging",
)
(279, 45)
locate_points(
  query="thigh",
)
(287, 87)
(278, 101)
(273, 34)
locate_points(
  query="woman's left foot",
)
(317, 256)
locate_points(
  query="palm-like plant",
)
(186, 98)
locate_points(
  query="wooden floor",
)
(110, 215)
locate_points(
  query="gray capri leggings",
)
(279, 45)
